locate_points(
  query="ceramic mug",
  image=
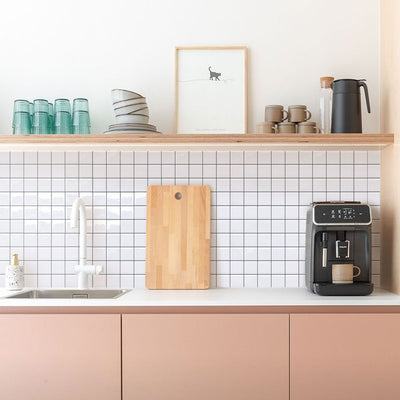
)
(298, 113)
(266, 127)
(275, 114)
(344, 273)
(308, 127)
(286, 127)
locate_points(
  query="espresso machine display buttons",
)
(342, 214)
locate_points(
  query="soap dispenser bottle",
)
(14, 275)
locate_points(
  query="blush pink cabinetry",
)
(48, 357)
(345, 356)
(206, 356)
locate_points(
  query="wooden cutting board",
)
(178, 237)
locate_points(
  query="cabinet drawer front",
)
(345, 356)
(66, 356)
(218, 356)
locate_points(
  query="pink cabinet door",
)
(48, 357)
(205, 356)
(345, 356)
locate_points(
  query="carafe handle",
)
(362, 83)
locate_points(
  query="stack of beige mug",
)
(297, 120)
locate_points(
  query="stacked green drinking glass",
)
(80, 117)
(40, 117)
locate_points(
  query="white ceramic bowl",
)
(122, 94)
(132, 118)
(136, 108)
(145, 111)
(142, 111)
(129, 102)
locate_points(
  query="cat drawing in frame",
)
(214, 76)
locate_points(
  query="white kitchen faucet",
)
(82, 269)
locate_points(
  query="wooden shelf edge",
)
(337, 138)
(225, 141)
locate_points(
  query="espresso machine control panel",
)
(341, 214)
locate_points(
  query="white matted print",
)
(211, 90)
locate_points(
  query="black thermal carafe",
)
(346, 105)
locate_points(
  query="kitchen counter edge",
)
(287, 300)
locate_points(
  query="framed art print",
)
(211, 90)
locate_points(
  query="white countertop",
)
(211, 298)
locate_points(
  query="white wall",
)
(85, 48)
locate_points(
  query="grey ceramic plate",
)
(132, 125)
(132, 129)
(137, 132)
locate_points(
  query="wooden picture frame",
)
(207, 101)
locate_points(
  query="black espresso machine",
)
(338, 233)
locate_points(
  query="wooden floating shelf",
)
(189, 141)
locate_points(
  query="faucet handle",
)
(89, 269)
(98, 269)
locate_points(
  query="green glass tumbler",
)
(40, 123)
(51, 118)
(20, 106)
(22, 123)
(40, 105)
(81, 123)
(81, 104)
(62, 105)
(62, 123)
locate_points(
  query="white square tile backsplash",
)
(259, 202)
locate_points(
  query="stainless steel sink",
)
(70, 294)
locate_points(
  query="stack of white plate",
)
(131, 113)
(132, 127)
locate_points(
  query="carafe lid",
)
(326, 81)
(346, 86)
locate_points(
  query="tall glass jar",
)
(325, 103)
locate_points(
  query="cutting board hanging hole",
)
(178, 195)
